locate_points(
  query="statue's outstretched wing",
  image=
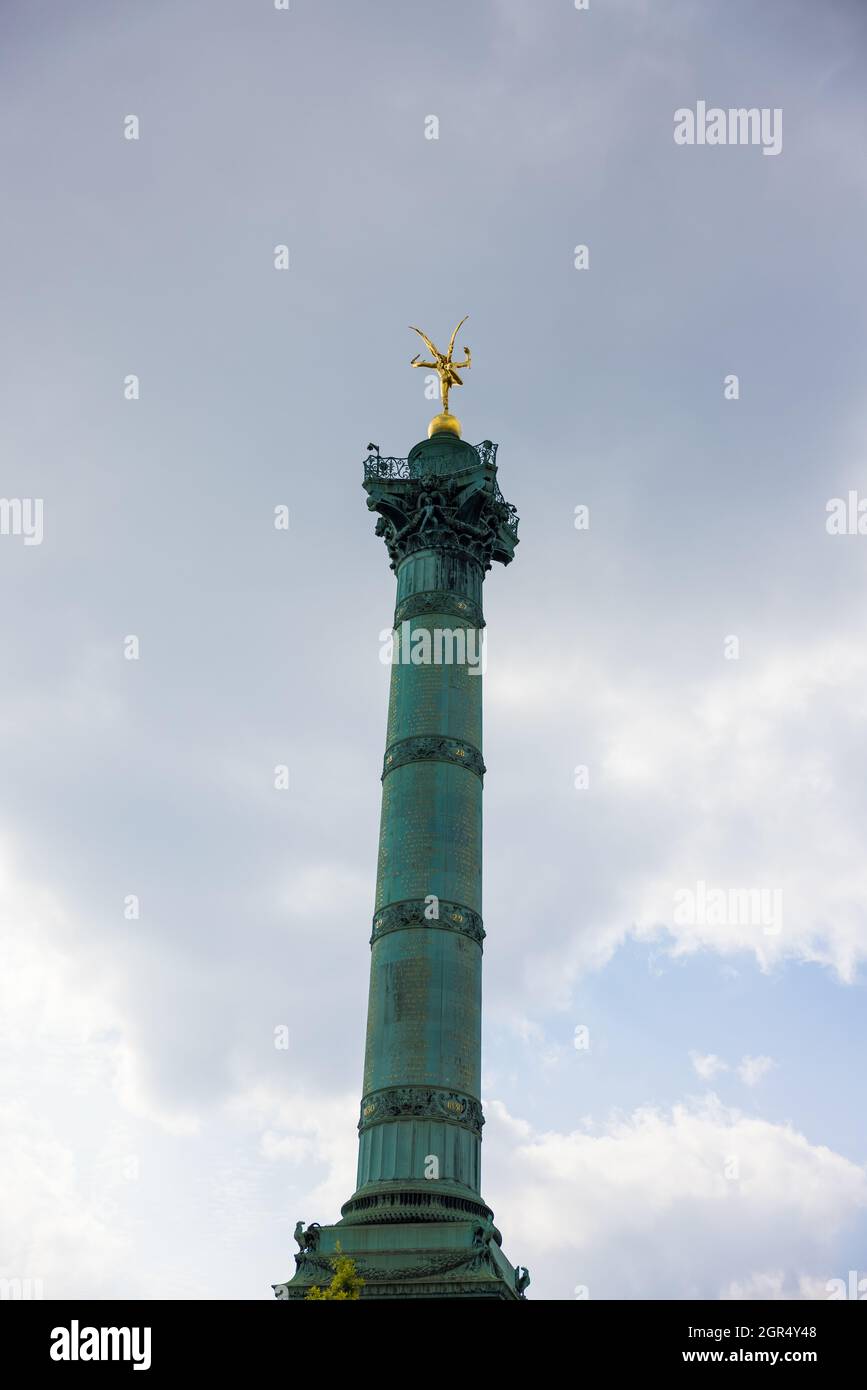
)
(425, 339)
(455, 334)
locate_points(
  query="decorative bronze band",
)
(439, 601)
(473, 1259)
(386, 1204)
(421, 1103)
(415, 912)
(433, 748)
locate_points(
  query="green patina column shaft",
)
(421, 1102)
(417, 1225)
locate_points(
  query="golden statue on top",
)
(447, 371)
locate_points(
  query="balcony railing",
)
(378, 466)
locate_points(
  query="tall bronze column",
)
(416, 1224)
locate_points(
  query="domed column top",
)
(441, 455)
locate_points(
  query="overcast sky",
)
(711, 1141)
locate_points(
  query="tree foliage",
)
(347, 1283)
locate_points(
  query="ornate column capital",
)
(461, 510)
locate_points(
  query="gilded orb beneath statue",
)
(445, 423)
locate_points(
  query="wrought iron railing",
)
(511, 524)
(487, 452)
(378, 466)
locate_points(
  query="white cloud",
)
(54, 1224)
(642, 1207)
(749, 1069)
(59, 1040)
(706, 1065)
(62, 994)
(310, 1135)
(773, 1285)
(752, 1069)
(749, 774)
